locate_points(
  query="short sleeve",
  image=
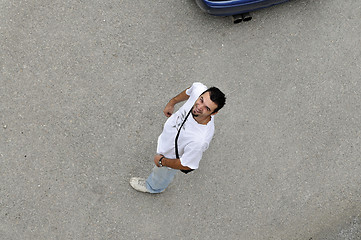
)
(196, 89)
(192, 155)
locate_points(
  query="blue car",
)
(239, 9)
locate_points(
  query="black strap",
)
(176, 142)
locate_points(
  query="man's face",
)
(204, 106)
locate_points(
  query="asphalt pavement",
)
(82, 89)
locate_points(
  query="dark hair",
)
(217, 96)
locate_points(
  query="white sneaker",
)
(138, 184)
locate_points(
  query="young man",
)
(186, 135)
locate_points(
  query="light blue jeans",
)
(160, 178)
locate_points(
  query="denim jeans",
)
(160, 178)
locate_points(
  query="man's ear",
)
(214, 113)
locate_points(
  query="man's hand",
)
(169, 109)
(157, 158)
(171, 163)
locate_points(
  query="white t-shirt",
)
(194, 138)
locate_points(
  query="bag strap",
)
(176, 142)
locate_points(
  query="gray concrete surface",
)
(83, 85)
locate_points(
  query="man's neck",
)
(202, 121)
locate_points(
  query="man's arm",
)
(169, 108)
(172, 163)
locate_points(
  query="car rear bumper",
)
(227, 8)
